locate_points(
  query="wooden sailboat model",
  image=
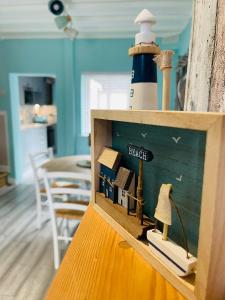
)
(173, 255)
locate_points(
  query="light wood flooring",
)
(26, 255)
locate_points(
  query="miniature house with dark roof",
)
(125, 181)
(109, 163)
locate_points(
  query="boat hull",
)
(174, 256)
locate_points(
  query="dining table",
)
(67, 164)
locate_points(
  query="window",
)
(102, 91)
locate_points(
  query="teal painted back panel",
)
(179, 162)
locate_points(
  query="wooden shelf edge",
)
(185, 287)
(198, 121)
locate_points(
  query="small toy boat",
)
(174, 256)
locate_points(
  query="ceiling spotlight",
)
(56, 7)
(71, 33)
(62, 21)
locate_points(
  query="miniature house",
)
(125, 181)
(109, 163)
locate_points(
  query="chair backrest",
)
(58, 176)
(57, 208)
(37, 159)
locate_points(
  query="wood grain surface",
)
(201, 55)
(99, 264)
(217, 90)
(205, 89)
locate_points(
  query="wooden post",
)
(166, 89)
(205, 90)
(143, 155)
(217, 86)
(139, 209)
(164, 61)
(165, 232)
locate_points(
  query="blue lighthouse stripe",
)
(144, 68)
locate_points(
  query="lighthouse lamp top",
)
(145, 16)
(146, 20)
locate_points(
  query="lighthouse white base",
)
(174, 256)
(143, 96)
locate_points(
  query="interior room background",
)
(67, 61)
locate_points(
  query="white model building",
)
(125, 181)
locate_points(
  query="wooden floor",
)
(26, 256)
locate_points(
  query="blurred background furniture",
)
(5, 183)
(36, 161)
(76, 163)
(72, 209)
(45, 160)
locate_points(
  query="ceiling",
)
(92, 18)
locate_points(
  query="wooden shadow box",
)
(189, 152)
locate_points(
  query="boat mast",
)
(140, 202)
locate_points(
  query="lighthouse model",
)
(143, 93)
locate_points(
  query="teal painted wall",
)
(184, 39)
(16, 140)
(41, 57)
(66, 60)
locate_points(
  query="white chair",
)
(69, 210)
(37, 160)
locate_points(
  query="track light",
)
(62, 21)
(56, 7)
(71, 33)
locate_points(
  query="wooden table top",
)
(100, 265)
(65, 164)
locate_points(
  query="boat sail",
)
(173, 255)
(163, 211)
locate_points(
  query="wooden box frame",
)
(210, 278)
